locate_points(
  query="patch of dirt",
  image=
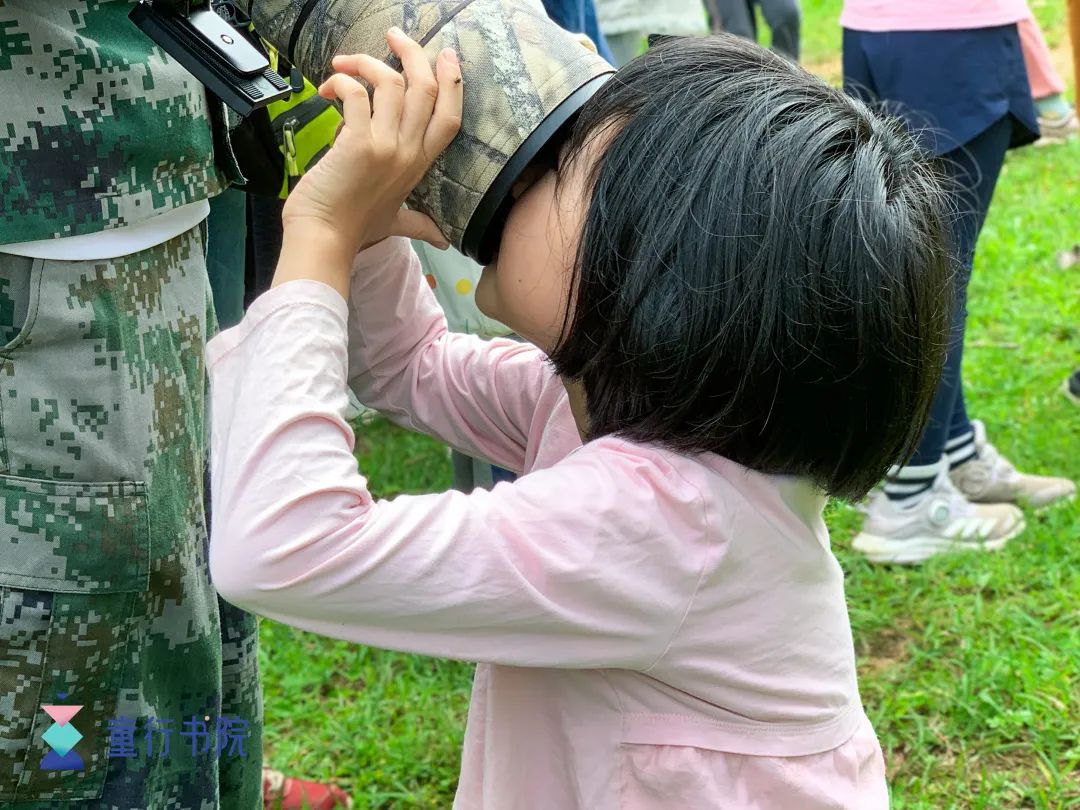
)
(1018, 760)
(884, 649)
(831, 69)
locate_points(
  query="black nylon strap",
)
(430, 35)
(302, 114)
(301, 19)
(395, 63)
(179, 6)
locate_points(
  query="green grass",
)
(821, 31)
(970, 667)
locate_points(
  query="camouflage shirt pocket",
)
(74, 558)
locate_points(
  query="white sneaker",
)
(1071, 387)
(1057, 129)
(990, 478)
(355, 411)
(939, 521)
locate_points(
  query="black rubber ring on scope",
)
(480, 241)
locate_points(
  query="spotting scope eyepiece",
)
(525, 80)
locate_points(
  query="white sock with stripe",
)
(909, 482)
(961, 448)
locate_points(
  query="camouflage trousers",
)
(105, 598)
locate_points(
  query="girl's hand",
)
(353, 196)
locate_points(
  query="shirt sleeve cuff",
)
(290, 295)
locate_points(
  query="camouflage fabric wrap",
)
(98, 127)
(517, 65)
(105, 597)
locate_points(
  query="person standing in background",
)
(107, 161)
(627, 23)
(739, 17)
(579, 17)
(1057, 118)
(955, 72)
(1071, 386)
(225, 255)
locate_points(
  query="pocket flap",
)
(74, 537)
(745, 737)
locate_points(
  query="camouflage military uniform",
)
(105, 598)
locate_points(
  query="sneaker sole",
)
(1034, 504)
(1053, 140)
(1057, 131)
(915, 550)
(1060, 500)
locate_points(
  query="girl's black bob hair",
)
(763, 271)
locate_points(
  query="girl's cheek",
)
(485, 295)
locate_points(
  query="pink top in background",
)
(930, 15)
(654, 630)
(1043, 76)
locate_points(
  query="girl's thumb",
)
(415, 225)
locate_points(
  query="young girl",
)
(733, 283)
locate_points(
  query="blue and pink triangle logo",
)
(61, 736)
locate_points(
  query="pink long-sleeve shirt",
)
(653, 630)
(930, 15)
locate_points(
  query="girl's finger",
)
(421, 89)
(415, 225)
(387, 86)
(446, 119)
(355, 106)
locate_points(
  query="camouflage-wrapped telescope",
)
(525, 79)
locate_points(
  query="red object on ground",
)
(281, 792)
